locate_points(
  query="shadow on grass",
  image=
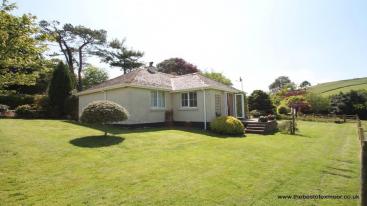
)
(118, 130)
(336, 174)
(96, 141)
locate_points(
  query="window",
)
(189, 99)
(218, 105)
(157, 99)
(239, 105)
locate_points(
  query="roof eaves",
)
(91, 91)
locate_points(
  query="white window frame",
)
(188, 100)
(242, 105)
(156, 103)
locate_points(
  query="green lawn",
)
(50, 162)
(331, 88)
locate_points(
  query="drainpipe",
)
(204, 110)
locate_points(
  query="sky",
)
(258, 40)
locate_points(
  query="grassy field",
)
(330, 88)
(50, 162)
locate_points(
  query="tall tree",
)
(93, 76)
(305, 84)
(21, 48)
(352, 102)
(280, 83)
(259, 100)
(219, 77)
(176, 66)
(75, 43)
(60, 87)
(118, 55)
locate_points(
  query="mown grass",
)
(330, 88)
(50, 162)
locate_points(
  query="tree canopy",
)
(118, 55)
(75, 43)
(103, 112)
(318, 103)
(305, 84)
(60, 87)
(93, 76)
(281, 83)
(21, 48)
(219, 77)
(259, 100)
(176, 66)
(353, 102)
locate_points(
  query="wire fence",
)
(363, 140)
(323, 118)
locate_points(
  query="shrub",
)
(15, 100)
(256, 113)
(60, 87)
(103, 112)
(263, 119)
(282, 109)
(271, 117)
(71, 107)
(286, 126)
(25, 111)
(260, 100)
(3, 108)
(227, 125)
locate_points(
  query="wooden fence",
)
(327, 118)
(363, 140)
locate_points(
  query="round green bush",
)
(103, 112)
(227, 125)
(282, 109)
(3, 108)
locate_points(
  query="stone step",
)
(255, 131)
(255, 127)
(256, 123)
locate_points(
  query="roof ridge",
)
(135, 74)
(216, 81)
(199, 75)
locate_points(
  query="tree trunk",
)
(105, 134)
(80, 86)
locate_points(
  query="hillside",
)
(330, 88)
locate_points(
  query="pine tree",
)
(60, 87)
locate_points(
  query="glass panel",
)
(239, 107)
(161, 100)
(193, 99)
(184, 100)
(218, 104)
(153, 99)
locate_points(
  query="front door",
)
(230, 105)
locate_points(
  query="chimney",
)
(150, 64)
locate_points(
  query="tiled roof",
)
(149, 77)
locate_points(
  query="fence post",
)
(363, 194)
